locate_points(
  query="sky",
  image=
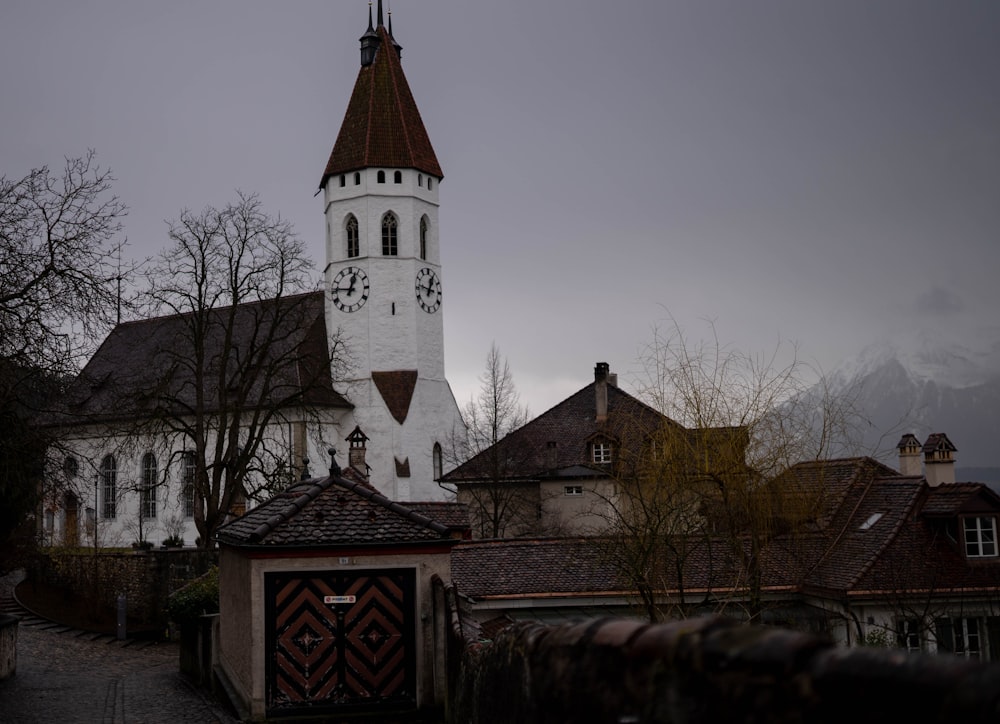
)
(818, 173)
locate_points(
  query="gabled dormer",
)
(966, 513)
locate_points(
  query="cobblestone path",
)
(66, 675)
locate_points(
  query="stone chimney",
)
(910, 450)
(939, 460)
(357, 451)
(601, 374)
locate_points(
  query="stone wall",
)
(708, 670)
(146, 578)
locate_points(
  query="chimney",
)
(939, 460)
(601, 374)
(909, 455)
(357, 451)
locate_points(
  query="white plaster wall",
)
(391, 331)
(89, 445)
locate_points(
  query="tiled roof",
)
(533, 566)
(145, 367)
(558, 439)
(336, 511)
(876, 531)
(382, 126)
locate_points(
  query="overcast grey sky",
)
(819, 172)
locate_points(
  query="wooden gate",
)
(340, 640)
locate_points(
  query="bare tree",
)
(60, 284)
(498, 502)
(60, 271)
(735, 422)
(249, 353)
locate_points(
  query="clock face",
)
(350, 289)
(428, 290)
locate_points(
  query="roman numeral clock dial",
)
(350, 289)
(428, 290)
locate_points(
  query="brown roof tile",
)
(382, 125)
(335, 511)
(144, 367)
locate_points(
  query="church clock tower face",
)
(428, 290)
(350, 289)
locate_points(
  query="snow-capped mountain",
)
(929, 381)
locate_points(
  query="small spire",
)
(397, 46)
(369, 41)
(380, 23)
(334, 468)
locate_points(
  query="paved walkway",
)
(66, 675)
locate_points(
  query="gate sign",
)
(338, 599)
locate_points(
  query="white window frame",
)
(980, 535)
(573, 491)
(601, 452)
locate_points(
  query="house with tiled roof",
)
(326, 602)
(382, 307)
(560, 474)
(885, 557)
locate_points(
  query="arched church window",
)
(397, 178)
(428, 183)
(70, 467)
(424, 224)
(420, 180)
(357, 179)
(353, 242)
(343, 180)
(147, 502)
(380, 177)
(109, 486)
(389, 245)
(436, 456)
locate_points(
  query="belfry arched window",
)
(424, 225)
(380, 177)
(351, 231)
(397, 177)
(389, 244)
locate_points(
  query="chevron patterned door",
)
(340, 640)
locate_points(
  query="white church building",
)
(121, 479)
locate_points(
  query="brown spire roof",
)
(382, 126)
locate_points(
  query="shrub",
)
(199, 597)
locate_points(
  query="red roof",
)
(382, 126)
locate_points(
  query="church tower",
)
(384, 277)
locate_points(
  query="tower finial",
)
(397, 46)
(380, 23)
(370, 27)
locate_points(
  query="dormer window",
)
(980, 537)
(601, 451)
